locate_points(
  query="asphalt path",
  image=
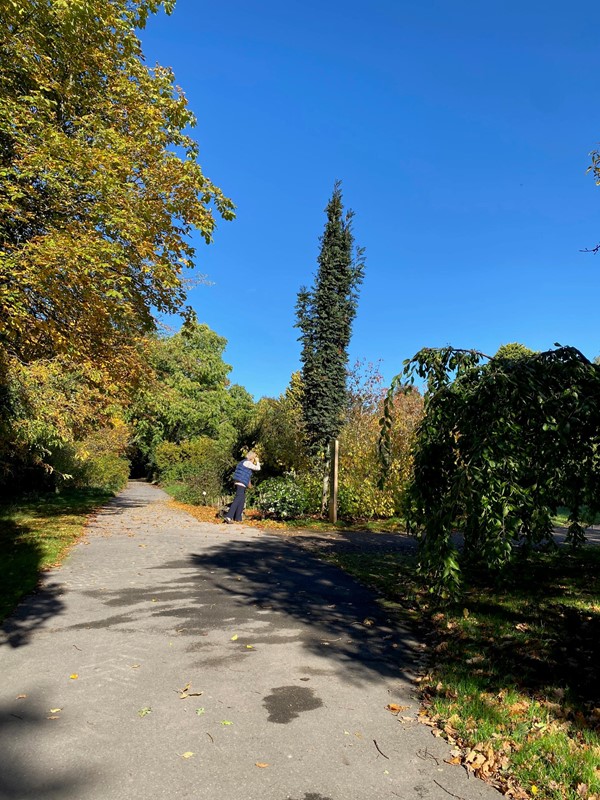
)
(170, 658)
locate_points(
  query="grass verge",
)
(35, 534)
(513, 670)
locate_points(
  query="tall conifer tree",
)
(324, 316)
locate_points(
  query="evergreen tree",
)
(324, 316)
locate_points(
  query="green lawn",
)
(35, 533)
(513, 679)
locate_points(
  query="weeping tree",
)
(324, 316)
(504, 442)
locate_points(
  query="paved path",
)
(295, 661)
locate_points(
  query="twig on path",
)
(78, 648)
(426, 754)
(379, 751)
(16, 716)
(210, 737)
(458, 796)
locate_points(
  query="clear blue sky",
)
(461, 132)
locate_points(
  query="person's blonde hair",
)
(251, 455)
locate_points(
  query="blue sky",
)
(461, 132)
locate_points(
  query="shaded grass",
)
(35, 533)
(561, 518)
(513, 669)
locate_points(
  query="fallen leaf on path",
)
(368, 621)
(53, 716)
(249, 647)
(261, 764)
(234, 637)
(143, 712)
(135, 666)
(226, 722)
(74, 676)
(185, 692)
(187, 754)
(199, 711)
(395, 708)
(55, 710)
(21, 697)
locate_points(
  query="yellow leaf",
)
(249, 647)
(188, 754)
(55, 710)
(74, 676)
(234, 637)
(534, 789)
(261, 764)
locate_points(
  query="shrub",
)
(359, 496)
(195, 469)
(281, 498)
(97, 462)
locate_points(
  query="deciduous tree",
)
(100, 186)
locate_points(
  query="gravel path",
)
(170, 658)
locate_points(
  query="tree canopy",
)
(187, 393)
(100, 187)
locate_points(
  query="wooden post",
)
(333, 483)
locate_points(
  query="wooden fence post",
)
(333, 482)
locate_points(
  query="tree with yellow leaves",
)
(100, 187)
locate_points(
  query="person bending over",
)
(241, 479)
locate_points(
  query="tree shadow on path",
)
(22, 778)
(342, 620)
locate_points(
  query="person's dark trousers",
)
(236, 508)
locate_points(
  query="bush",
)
(97, 462)
(365, 501)
(281, 498)
(194, 470)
